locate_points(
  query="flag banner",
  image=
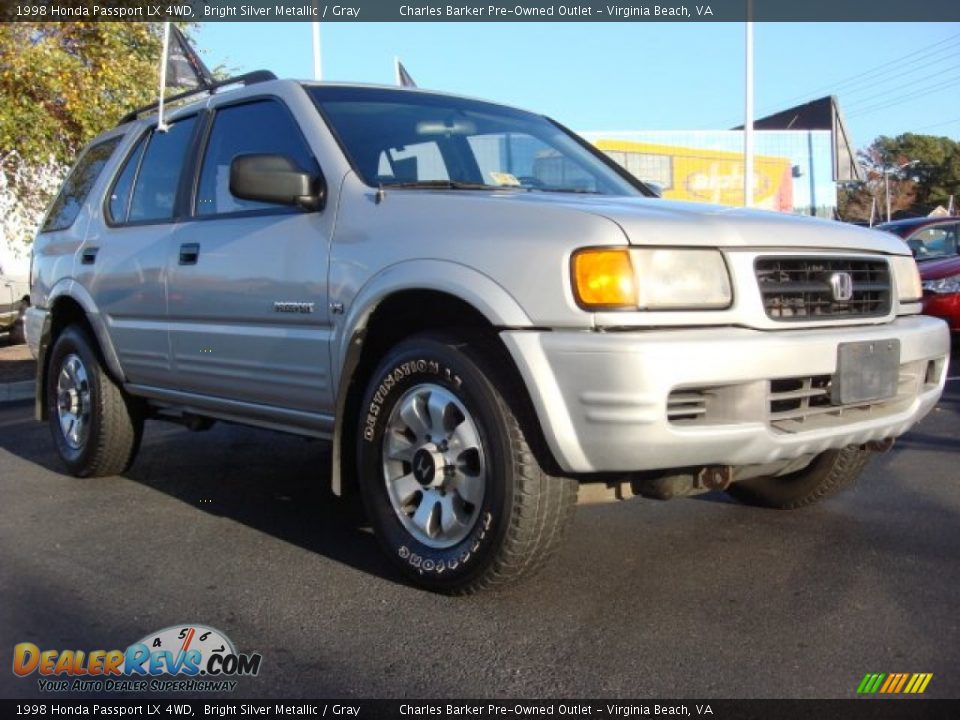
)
(403, 77)
(185, 69)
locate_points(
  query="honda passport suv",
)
(481, 311)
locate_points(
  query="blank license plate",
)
(866, 371)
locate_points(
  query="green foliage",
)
(924, 172)
(63, 83)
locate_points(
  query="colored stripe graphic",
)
(894, 683)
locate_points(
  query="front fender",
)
(488, 297)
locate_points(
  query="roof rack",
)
(250, 78)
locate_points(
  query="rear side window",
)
(258, 127)
(78, 185)
(119, 205)
(155, 176)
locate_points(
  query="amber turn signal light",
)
(604, 278)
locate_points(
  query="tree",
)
(924, 172)
(61, 84)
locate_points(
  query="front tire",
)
(451, 485)
(825, 476)
(95, 426)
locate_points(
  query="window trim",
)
(116, 140)
(150, 129)
(190, 210)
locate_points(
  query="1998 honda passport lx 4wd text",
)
(479, 309)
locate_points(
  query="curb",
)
(15, 391)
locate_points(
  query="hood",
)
(936, 269)
(651, 221)
(654, 221)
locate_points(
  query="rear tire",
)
(18, 334)
(825, 476)
(96, 427)
(451, 486)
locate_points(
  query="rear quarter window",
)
(68, 203)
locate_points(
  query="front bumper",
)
(648, 400)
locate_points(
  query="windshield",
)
(411, 139)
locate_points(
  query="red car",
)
(934, 245)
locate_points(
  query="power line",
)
(898, 92)
(902, 99)
(923, 52)
(887, 78)
(939, 124)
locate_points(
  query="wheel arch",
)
(67, 304)
(394, 312)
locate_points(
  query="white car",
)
(14, 300)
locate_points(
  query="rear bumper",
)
(603, 398)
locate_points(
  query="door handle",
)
(88, 256)
(189, 252)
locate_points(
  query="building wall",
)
(793, 168)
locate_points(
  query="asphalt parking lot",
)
(689, 598)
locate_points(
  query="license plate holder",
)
(866, 371)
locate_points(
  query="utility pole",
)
(748, 111)
(317, 61)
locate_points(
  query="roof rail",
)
(250, 78)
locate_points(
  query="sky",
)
(890, 78)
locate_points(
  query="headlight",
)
(681, 279)
(943, 286)
(651, 279)
(907, 277)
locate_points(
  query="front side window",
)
(934, 242)
(396, 137)
(77, 186)
(262, 127)
(155, 187)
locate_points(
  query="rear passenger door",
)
(238, 267)
(123, 260)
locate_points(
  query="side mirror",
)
(275, 179)
(656, 187)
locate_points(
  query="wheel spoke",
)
(452, 517)
(399, 447)
(468, 487)
(414, 415)
(406, 487)
(437, 407)
(464, 438)
(425, 517)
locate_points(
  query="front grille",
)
(798, 288)
(685, 406)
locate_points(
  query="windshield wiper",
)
(579, 191)
(442, 185)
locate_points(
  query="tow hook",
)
(881, 446)
(715, 477)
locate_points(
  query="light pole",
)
(748, 113)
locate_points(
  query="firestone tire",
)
(95, 426)
(825, 476)
(450, 484)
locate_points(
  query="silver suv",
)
(480, 310)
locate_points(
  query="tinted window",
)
(155, 189)
(78, 185)
(934, 241)
(120, 195)
(261, 127)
